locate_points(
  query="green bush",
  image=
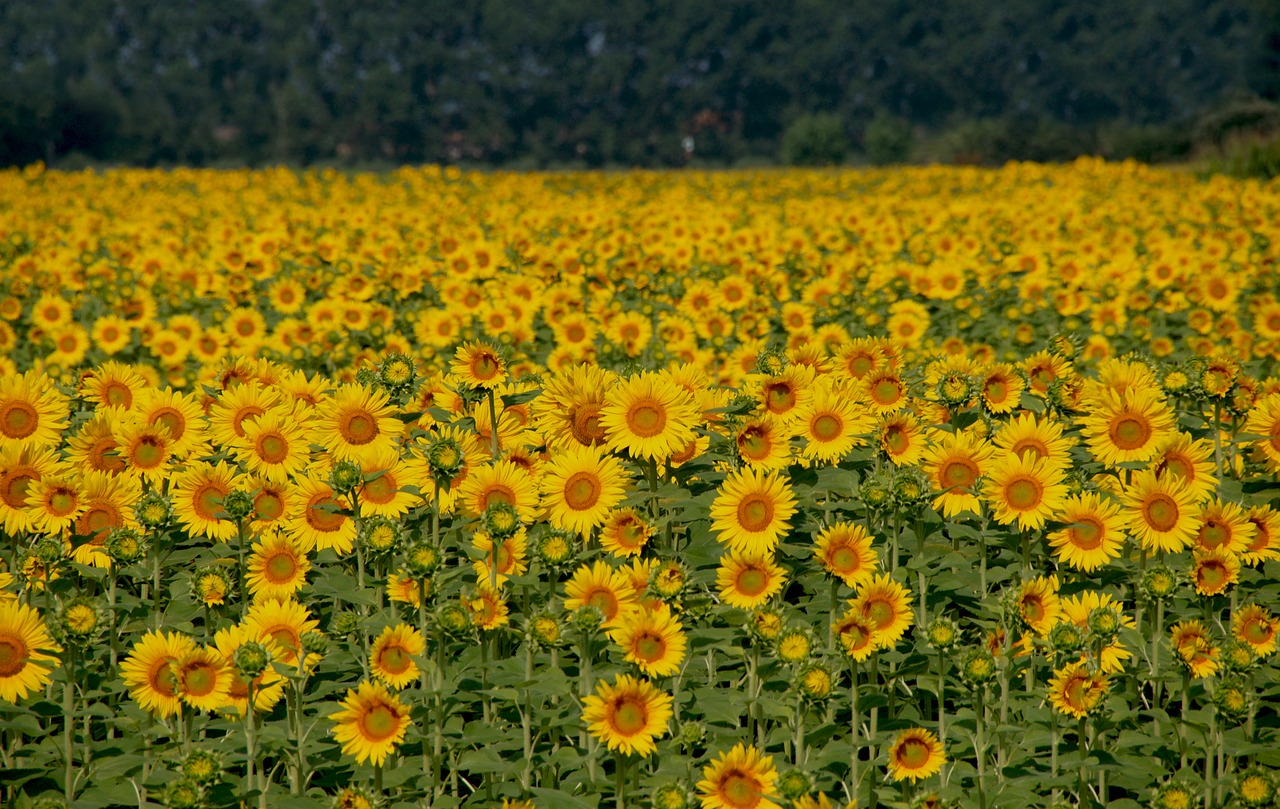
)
(815, 140)
(887, 139)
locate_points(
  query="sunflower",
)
(33, 413)
(831, 424)
(1076, 691)
(113, 384)
(277, 568)
(320, 523)
(371, 723)
(488, 609)
(148, 671)
(93, 446)
(387, 480)
(145, 448)
(739, 779)
(19, 469)
(886, 606)
(25, 651)
(1094, 534)
(751, 511)
(627, 715)
(1025, 490)
(235, 405)
(54, 503)
(764, 443)
(1194, 646)
(512, 557)
(845, 551)
(500, 482)
(581, 486)
(276, 444)
(901, 438)
(1212, 572)
(284, 623)
(1223, 525)
(202, 678)
(568, 411)
(392, 653)
(1264, 420)
(1126, 427)
(1188, 460)
(748, 579)
(197, 499)
(107, 505)
(356, 421)
(785, 394)
(1000, 388)
(648, 416)
(915, 754)
(274, 503)
(1161, 512)
(1038, 604)
(884, 390)
(954, 465)
(1266, 536)
(653, 640)
(858, 358)
(111, 333)
(268, 687)
(604, 588)
(625, 532)
(479, 365)
(1043, 439)
(1077, 609)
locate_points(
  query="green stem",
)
(799, 738)
(980, 744)
(620, 782)
(1082, 767)
(68, 725)
(854, 721)
(493, 424)
(526, 718)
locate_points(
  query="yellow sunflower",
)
(1039, 438)
(93, 446)
(319, 523)
(1075, 690)
(108, 504)
(277, 568)
(276, 444)
(625, 532)
(1161, 512)
(19, 469)
(1254, 625)
(268, 687)
(915, 753)
(1094, 534)
(1001, 389)
(500, 482)
(902, 438)
(752, 510)
(1077, 608)
(1264, 420)
(568, 411)
(1024, 490)
(235, 405)
(764, 443)
(581, 486)
(1190, 461)
(1213, 572)
(356, 421)
(197, 499)
(1038, 604)
(648, 416)
(33, 413)
(149, 675)
(25, 651)
(739, 779)
(886, 606)
(845, 551)
(954, 465)
(627, 715)
(831, 423)
(284, 623)
(392, 653)
(748, 579)
(783, 395)
(54, 503)
(145, 448)
(479, 365)
(1224, 525)
(1126, 427)
(371, 724)
(113, 384)
(1266, 536)
(653, 640)
(604, 588)
(1194, 647)
(202, 678)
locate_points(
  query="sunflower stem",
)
(241, 539)
(68, 724)
(1082, 773)
(1183, 731)
(799, 740)
(921, 582)
(1217, 439)
(1053, 750)
(942, 704)
(526, 718)
(493, 424)
(424, 681)
(854, 721)
(620, 782)
(980, 744)
(249, 752)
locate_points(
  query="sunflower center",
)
(1032, 609)
(780, 397)
(268, 506)
(1214, 534)
(845, 560)
(149, 452)
(584, 424)
(629, 716)
(649, 647)
(102, 456)
(754, 444)
(18, 419)
(826, 427)
(879, 612)
(996, 391)
(1033, 446)
(13, 487)
(379, 723)
(646, 419)
(603, 600)
(199, 680)
(1257, 632)
(913, 754)
(755, 513)
(162, 679)
(281, 568)
(1024, 494)
(752, 581)
(886, 392)
(860, 365)
(207, 501)
(484, 367)
(1212, 575)
(273, 447)
(740, 791)
(958, 473)
(13, 655)
(582, 491)
(321, 519)
(359, 428)
(380, 490)
(1087, 535)
(896, 440)
(1130, 432)
(1161, 512)
(172, 421)
(97, 519)
(249, 412)
(394, 660)
(61, 503)
(117, 394)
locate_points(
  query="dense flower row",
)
(742, 501)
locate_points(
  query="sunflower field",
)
(746, 490)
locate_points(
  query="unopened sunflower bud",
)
(80, 618)
(445, 458)
(500, 520)
(1104, 624)
(182, 794)
(49, 551)
(815, 682)
(422, 560)
(1159, 582)
(691, 734)
(315, 643)
(1066, 638)
(397, 372)
(454, 619)
(345, 476)
(978, 666)
(545, 630)
(344, 623)
(380, 535)
(794, 783)
(556, 549)
(153, 510)
(238, 504)
(1256, 787)
(671, 796)
(125, 546)
(250, 660)
(588, 619)
(201, 767)
(943, 633)
(212, 586)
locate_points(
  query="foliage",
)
(815, 140)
